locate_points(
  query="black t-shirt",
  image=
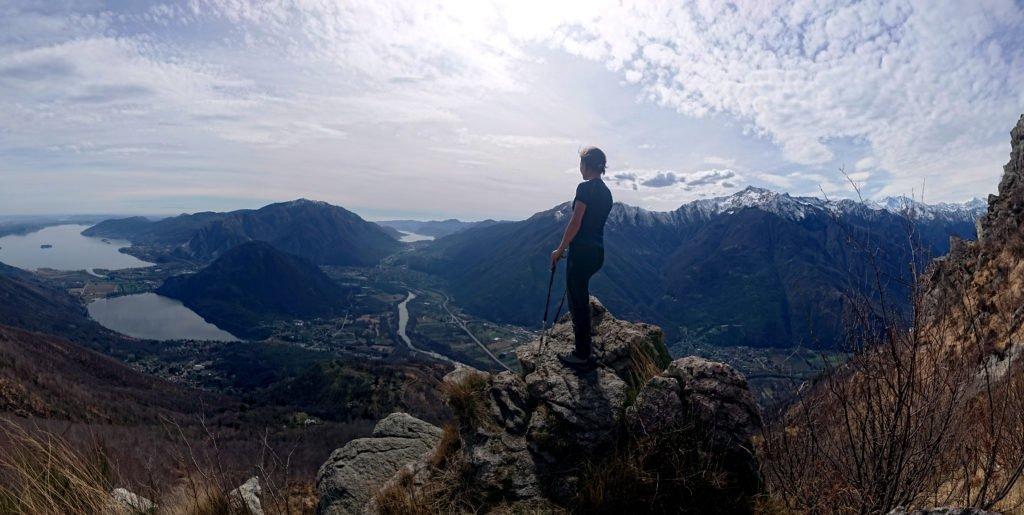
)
(598, 200)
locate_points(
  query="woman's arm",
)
(570, 232)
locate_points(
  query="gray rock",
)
(617, 343)
(658, 406)
(584, 409)
(717, 396)
(503, 467)
(246, 498)
(354, 473)
(709, 399)
(509, 402)
(460, 373)
(123, 501)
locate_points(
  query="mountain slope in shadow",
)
(254, 283)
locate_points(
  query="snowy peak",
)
(906, 206)
(783, 205)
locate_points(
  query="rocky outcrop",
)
(711, 395)
(976, 293)
(246, 498)
(536, 440)
(353, 473)
(126, 502)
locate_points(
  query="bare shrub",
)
(922, 414)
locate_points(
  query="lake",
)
(70, 251)
(409, 237)
(154, 317)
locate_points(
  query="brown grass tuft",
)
(401, 497)
(468, 399)
(41, 473)
(643, 365)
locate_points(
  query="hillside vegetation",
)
(254, 282)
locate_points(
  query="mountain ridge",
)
(255, 282)
(786, 256)
(313, 229)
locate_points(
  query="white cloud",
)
(521, 140)
(361, 99)
(924, 84)
(726, 162)
(670, 184)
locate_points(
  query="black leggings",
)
(583, 262)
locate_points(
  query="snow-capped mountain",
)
(728, 269)
(793, 208)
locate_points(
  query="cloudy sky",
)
(476, 109)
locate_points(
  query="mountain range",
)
(253, 283)
(756, 268)
(318, 231)
(791, 264)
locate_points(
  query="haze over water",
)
(71, 250)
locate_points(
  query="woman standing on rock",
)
(584, 239)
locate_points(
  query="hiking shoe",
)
(571, 360)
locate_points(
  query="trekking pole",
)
(547, 306)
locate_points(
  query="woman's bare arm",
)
(570, 232)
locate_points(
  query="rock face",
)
(712, 395)
(353, 473)
(979, 287)
(532, 440)
(246, 498)
(124, 501)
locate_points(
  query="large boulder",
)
(246, 498)
(711, 397)
(353, 473)
(584, 408)
(712, 394)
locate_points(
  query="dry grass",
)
(401, 497)
(468, 399)
(444, 489)
(645, 362)
(42, 474)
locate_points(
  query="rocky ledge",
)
(639, 432)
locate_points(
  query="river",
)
(403, 322)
